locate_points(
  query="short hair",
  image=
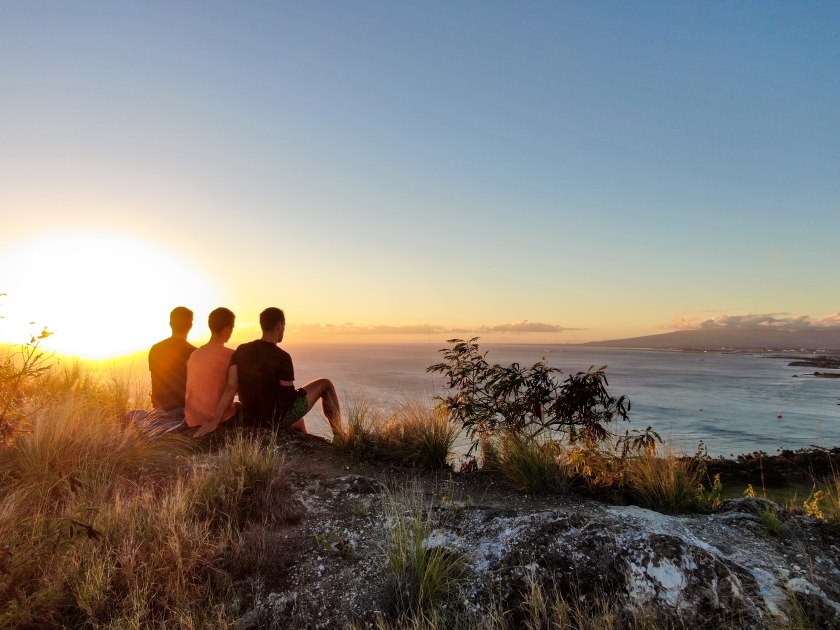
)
(270, 317)
(181, 319)
(220, 319)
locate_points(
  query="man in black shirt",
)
(168, 362)
(264, 376)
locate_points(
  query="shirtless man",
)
(264, 376)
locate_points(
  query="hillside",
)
(732, 338)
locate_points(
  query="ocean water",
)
(730, 401)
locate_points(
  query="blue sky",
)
(600, 166)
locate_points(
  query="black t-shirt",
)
(261, 365)
(168, 365)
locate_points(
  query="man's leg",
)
(322, 389)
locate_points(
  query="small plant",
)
(361, 437)
(669, 483)
(824, 502)
(424, 576)
(420, 435)
(246, 483)
(771, 520)
(531, 463)
(361, 509)
(18, 372)
(335, 540)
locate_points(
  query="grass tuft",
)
(669, 483)
(414, 433)
(420, 435)
(531, 464)
(361, 437)
(102, 528)
(424, 576)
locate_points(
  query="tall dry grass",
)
(532, 464)
(103, 529)
(415, 433)
(420, 434)
(670, 482)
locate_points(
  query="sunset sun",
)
(104, 295)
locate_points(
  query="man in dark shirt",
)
(264, 376)
(168, 362)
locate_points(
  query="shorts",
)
(296, 411)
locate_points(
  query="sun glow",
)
(104, 295)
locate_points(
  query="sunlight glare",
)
(104, 295)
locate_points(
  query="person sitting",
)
(207, 371)
(264, 375)
(168, 362)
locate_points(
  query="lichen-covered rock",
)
(699, 569)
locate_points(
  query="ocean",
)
(729, 401)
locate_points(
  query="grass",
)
(101, 528)
(414, 433)
(420, 435)
(361, 438)
(771, 518)
(669, 483)
(424, 578)
(539, 607)
(531, 464)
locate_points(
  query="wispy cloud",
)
(785, 321)
(426, 329)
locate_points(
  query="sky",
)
(545, 171)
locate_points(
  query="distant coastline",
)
(723, 339)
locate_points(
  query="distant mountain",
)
(734, 338)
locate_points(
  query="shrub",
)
(486, 399)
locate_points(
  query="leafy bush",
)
(486, 399)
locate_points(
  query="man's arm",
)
(224, 403)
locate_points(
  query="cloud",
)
(783, 321)
(427, 329)
(524, 327)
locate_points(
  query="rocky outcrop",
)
(748, 561)
(700, 569)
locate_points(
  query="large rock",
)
(700, 569)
